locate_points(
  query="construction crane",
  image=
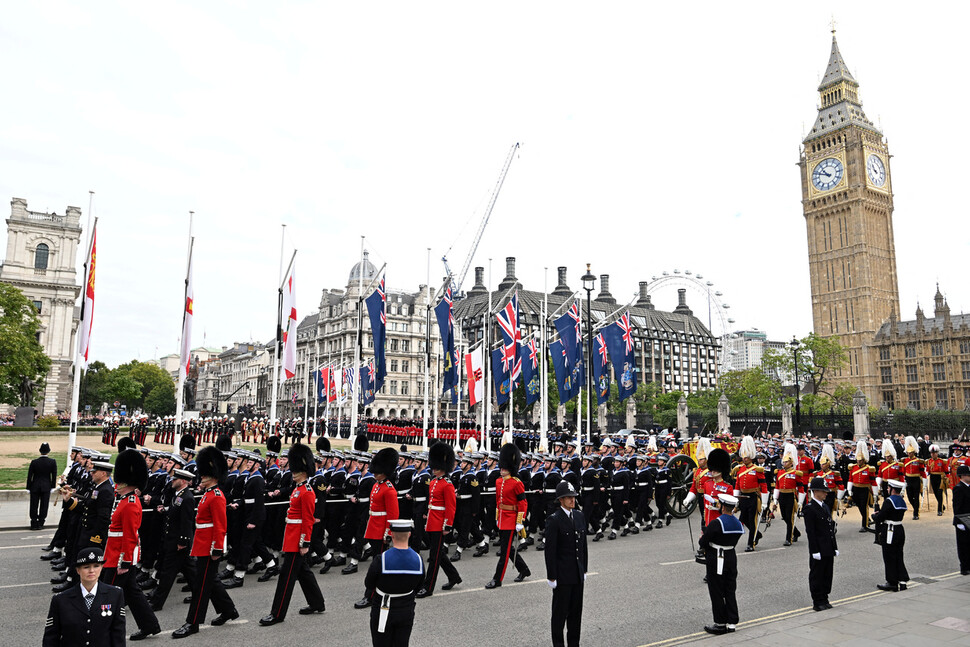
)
(456, 283)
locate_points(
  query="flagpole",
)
(76, 392)
(180, 400)
(427, 356)
(279, 336)
(458, 368)
(355, 395)
(486, 428)
(437, 396)
(306, 401)
(326, 413)
(316, 389)
(544, 367)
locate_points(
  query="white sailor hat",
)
(899, 485)
(400, 525)
(183, 474)
(728, 499)
(102, 466)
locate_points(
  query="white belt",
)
(204, 525)
(112, 533)
(464, 496)
(420, 498)
(248, 501)
(436, 507)
(336, 500)
(890, 530)
(378, 513)
(365, 500)
(386, 607)
(288, 520)
(552, 491)
(588, 489)
(403, 492)
(720, 556)
(616, 489)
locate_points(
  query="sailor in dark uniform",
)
(395, 575)
(892, 536)
(718, 541)
(91, 613)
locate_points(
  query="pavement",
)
(643, 590)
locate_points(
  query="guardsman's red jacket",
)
(441, 504)
(913, 467)
(383, 508)
(510, 503)
(299, 518)
(210, 525)
(122, 546)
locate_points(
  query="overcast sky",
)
(654, 137)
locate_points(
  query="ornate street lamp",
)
(589, 281)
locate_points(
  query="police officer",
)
(566, 564)
(90, 614)
(822, 546)
(961, 511)
(394, 576)
(720, 537)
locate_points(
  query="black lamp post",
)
(798, 389)
(589, 282)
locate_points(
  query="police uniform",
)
(73, 621)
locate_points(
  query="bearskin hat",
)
(441, 456)
(385, 462)
(361, 443)
(323, 444)
(274, 444)
(211, 463)
(224, 443)
(510, 458)
(131, 469)
(125, 442)
(719, 461)
(187, 441)
(301, 459)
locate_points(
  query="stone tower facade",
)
(41, 260)
(847, 201)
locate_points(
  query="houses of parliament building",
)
(847, 200)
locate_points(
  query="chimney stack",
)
(479, 287)
(562, 288)
(509, 279)
(682, 302)
(604, 294)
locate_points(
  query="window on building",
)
(910, 350)
(966, 396)
(965, 347)
(884, 352)
(393, 387)
(887, 375)
(889, 400)
(942, 402)
(393, 367)
(41, 256)
(405, 346)
(393, 344)
(966, 370)
(404, 388)
(937, 349)
(912, 399)
(911, 374)
(939, 372)
(37, 305)
(405, 364)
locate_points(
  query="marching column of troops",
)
(216, 517)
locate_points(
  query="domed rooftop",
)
(369, 272)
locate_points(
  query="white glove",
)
(775, 495)
(840, 494)
(960, 526)
(764, 500)
(584, 577)
(817, 556)
(849, 489)
(737, 493)
(519, 527)
(801, 499)
(926, 484)
(875, 493)
(552, 583)
(878, 481)
(690, 497)
(836, 553)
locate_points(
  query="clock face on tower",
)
(827, 174)
(876, 170)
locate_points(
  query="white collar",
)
(94, 590)
(569, 513)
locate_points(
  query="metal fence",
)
(755, 422)
(938, 425)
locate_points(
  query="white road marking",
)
(691, 561)
(15, 586)
(27, 546)
(504, 585)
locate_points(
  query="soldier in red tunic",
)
(889, 468)
(441, 517)
(208, 546)
(751, 490)
(832, 477)
(121, 551)
(789, 494)
(296, 542)
(938, 470)
(915, 472)
(862, 483)
(383, 509)
(718, 464)
(510, 509)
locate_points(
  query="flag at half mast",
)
(185, 354)
(87, 305)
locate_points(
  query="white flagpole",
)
(180, 395)
(355, 392)
(306, 400)
(76, 392)
(488, 361)
(437, 396)
(326, 412)
(279, 334)
(427, 357)
(544, 392)
(316, 389)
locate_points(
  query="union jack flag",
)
(533, 353)
(508, 321)
(602, 349)
(624, 324)
(573, 313)
(380, 291)
(451, 312)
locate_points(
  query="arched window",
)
(40, 256)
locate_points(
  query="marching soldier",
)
(177, 538)
(208, 547)
(751, 491)
(419, 496)
(90, 606)
(915, 472)
(468, 505)
(892, 536)
(121, 548)
(394, 577)
(832, 477)
(788, 493)
(862, 486)
(719, 539)
(441, 517)
(296, 542)
(511, 506)
(939, 471)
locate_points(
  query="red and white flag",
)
(186, 351)
(87, 309)
(476, 378)
(324, 378)
(289, 326)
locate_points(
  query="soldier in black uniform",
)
(488, 497)
(89, 613)
(41, 476)
(95, 517)
(179, 527)
(644, 480)
(395, 577)
(552, 479)
(359, 513)
(620, 486)
(252, 515)
(719, 540)
(468, 500)
(337, 508)
(822, 545)
(419, 496)
(537, 520)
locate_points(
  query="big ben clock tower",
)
(848, 205)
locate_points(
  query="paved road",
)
(642, 589)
